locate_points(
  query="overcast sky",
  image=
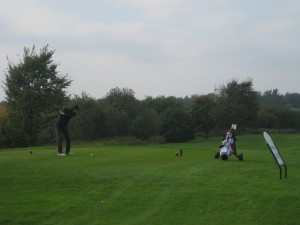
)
(159, 47)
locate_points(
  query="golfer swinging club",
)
(61, 129)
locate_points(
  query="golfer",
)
(61, 129)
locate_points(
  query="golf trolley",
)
(227, 147)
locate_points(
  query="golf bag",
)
(225, 150)
(228, 147)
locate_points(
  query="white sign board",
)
(274, 150)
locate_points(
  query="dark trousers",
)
(61, 134)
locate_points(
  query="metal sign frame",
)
(276, 154)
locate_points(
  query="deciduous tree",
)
(34, 88)
(236, 103)
(202, 114)
(177, 125)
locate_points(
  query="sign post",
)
(276, 154)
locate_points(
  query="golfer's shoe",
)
(69, 153)
(61, 154)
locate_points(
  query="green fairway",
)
(149, 185)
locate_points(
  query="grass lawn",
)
(149, 185)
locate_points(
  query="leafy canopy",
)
(33, 90)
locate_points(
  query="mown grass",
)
(149, 185)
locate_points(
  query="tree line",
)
(35, 91)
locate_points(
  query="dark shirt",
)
(65, 117)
